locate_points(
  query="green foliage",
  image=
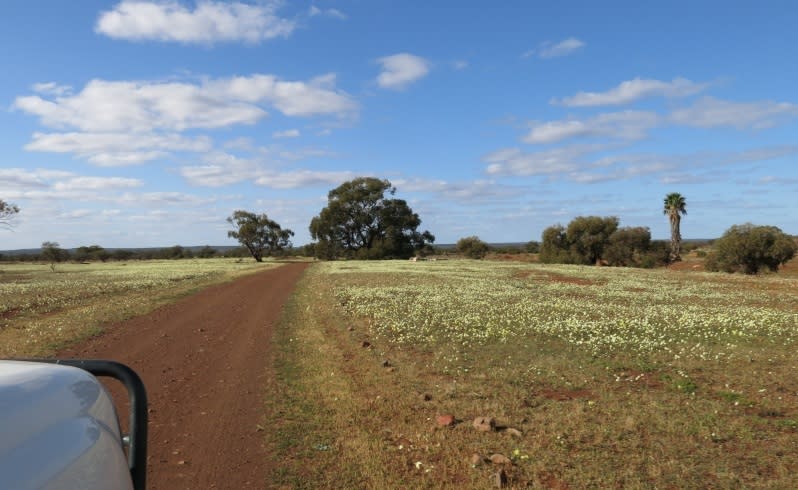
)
(589, 235)
(206, 252)
(749, 248)
(583, 242)
(532, 247)
(554, 248)
(260, 235)
(92, 252)
(53, 253)
(627, 247)
(472, 247)
(360, 222)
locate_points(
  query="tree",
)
(92, 252)
(554, 246)
(748, 248)
(206, 252)
(472, 247)
(588, 236)
(53, 253)
(674, 207)
(628, 246)
(260, 235)
(360, 222)
(7, 213)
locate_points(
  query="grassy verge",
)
(609, 378)
(41, 311)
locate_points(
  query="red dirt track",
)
(206, 362)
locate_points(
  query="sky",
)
(147, 123)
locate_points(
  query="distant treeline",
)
(96, 253)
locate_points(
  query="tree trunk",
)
(676, 238)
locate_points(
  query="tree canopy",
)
(472, 247)
(7, 213)
(359, 221)
(749, 248)
(259, 234)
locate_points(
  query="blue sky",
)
(147, 123)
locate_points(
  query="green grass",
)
(615, 377)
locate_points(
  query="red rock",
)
(445, 420)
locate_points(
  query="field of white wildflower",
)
(602, 310)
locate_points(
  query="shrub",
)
(749, 248)
(472, 247)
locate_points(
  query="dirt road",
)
(205, 361)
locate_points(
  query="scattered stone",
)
(181, 462)
(391, 369)
(351, 329)
(513, 432)
(499, 479)
(366, 343)
(426, 397)
(445, 420)
(500, 459)
(476, 459)
(484, 424)
(386, 363)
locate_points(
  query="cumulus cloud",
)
(209, 22)
(709, 112)
(631, 90)
(113, 123)
(629, 125)
(550, 49)
(144, 106)
(288, 133)
(400, 70)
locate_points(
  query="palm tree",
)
(675, 207)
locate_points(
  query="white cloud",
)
(629, 125)
(709, 112)
(116, 149)
(463, 192)
(220, 169)
(207, 23)
(549, 49)
(632, 90)
(97, 183)
(513, 161)
(400, 70)
(334, 13)
(303, 178)
(107, 106)
(288, 133)
(460, 64)
(51, 88)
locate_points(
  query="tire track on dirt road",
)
(206, 361)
